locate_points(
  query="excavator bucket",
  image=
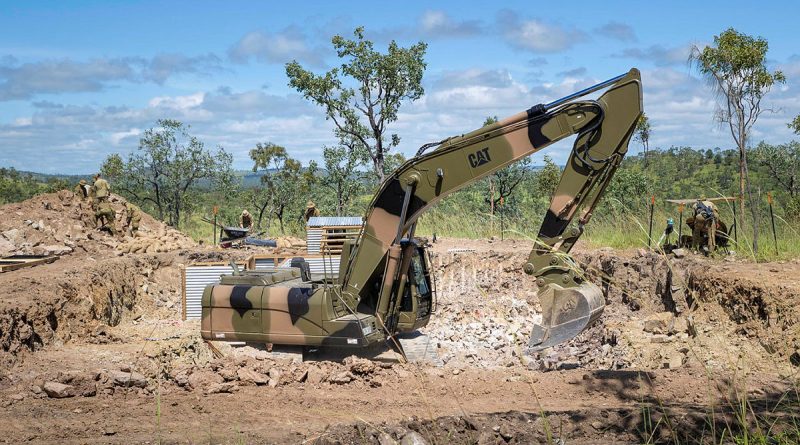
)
(566, 312)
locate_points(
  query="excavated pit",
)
(105, 324)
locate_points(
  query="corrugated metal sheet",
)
(265, 263)
(197, 277)
(329, 221)
(313, 240)
(329, 265)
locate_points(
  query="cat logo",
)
(479, 158)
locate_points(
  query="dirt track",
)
(685, 337)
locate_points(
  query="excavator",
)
(385, 287)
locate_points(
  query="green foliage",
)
(284, 182)
(642, 132)
(16, 186)
(343, 178)
(363, 95)
(795, 124)
(166, 172)
(783, 163)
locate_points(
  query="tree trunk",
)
(753, 209)
(742, 175)
(379, 169)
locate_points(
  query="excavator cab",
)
(417, 302)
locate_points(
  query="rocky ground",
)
(93, 350)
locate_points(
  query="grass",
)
(624, 231)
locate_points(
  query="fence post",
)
(650, 232)
(772, 217)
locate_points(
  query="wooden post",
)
(215, 210)
(680, 223)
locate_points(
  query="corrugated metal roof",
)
(319, 221)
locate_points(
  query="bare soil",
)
(93, 350)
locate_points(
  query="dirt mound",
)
(61, 223)
(72, 298)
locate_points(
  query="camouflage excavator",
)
(384, 286)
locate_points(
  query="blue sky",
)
(82, 80)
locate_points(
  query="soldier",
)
(81, 190)
(704, 221)
(311, 211)
(105, 214)
(246, 220)
(101, 189)
(133, 215)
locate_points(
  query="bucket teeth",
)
(566, 312)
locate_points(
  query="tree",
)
(783, 164)
(343, 178)
(736, 67)
(795, 124)
(168, 170)
(503, 182)
(642, 134)
(284, 182)
(363, 95)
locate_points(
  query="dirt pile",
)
(61, 223)
(74, 299)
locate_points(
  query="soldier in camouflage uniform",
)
(133, 215)
(101, 188)
(105, 216)
(704, 222)
(311, 211)
(246, 220)
(81, 190)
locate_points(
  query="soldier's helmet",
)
(82, 182)
(96, 175)
(310, 204)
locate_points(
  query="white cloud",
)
(537, 35)
(119, 136)
(280, 47)
(177, 102)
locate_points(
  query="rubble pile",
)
(61, 223)
(230, 373)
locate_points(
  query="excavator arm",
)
(376, 270)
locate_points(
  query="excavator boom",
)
(603, 128)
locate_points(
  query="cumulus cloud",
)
(658, 54)
(434, 24)
(280, 47)
(163, 66)
(30, 79)
(537, 35)
(61, 76)
(78, 138)
(617, 31)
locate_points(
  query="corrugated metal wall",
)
(197, 277)
(329, 265)
(313, 240)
